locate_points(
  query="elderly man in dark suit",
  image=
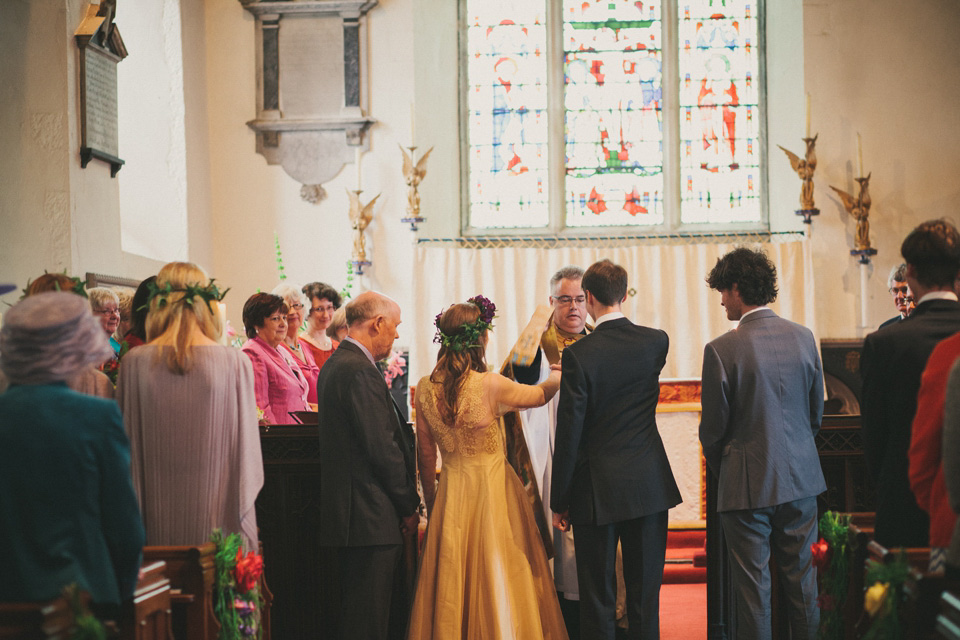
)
(611, 477)
(368, 494)
(762, 401)
(892, 364)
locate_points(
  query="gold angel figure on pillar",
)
(805, 168)
(360, 217)
(414, 174)
(859, 208)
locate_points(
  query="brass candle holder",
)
(805, 168)
(414, 172)
(859, 208)
(360, 217)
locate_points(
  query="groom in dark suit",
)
(611, 477)
(368, 494)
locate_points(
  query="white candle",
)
(808, 116)
(413, 126)
(859, 157)
(356, 160)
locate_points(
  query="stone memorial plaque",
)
(98, 93)
(99, 132)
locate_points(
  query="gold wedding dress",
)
(483, 571)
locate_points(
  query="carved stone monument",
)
(309, 119)
(101, 48)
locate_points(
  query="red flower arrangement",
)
(822, 554)
(247, 570)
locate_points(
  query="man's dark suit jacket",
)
(609, 464)
(367, 460)
(892, 363)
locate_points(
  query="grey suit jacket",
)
(762, 402)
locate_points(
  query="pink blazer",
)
(308, 366)
(279, 385)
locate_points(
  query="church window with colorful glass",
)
(645, 116)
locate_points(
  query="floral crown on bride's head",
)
(469, 333)
(209, 292)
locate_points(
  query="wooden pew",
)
(36, 620)
(948, 621)
(922, 591)
(191, 573)
(857, 555)
(148, 615)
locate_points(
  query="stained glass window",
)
(719, 112)
(612, 104)
(619, 112)
(507, 113)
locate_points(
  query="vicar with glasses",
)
(534, 451)
(900, 290)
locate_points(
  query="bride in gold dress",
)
(483, 572)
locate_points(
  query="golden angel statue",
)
(805, 168)
(414, 174)
(360, 217)
(859, 208)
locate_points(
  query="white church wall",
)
(251, 200)
(153, 183)
(34, 175)
(888, 71)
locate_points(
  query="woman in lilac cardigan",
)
(279, 384)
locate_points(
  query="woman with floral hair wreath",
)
(190, 410)
(483, 571)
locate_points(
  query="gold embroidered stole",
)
(553, 341)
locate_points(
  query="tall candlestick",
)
(859, 157)
(413, 126)
(808, 116)
(356, 161)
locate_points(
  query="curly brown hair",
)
(753, 273)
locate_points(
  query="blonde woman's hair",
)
(173, 321)
(99, 296)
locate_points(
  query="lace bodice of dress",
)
(475, 430)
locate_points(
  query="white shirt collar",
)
(366, 351)
(938, 295)
(752, 311)
(613, 315)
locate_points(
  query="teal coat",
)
(68, 512)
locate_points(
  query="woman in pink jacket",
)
(279, 384)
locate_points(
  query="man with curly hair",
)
(762, 400)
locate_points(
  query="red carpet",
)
(683, 611)
(683, 597)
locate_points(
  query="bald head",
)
(372, 320)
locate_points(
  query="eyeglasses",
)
(108, 311)
(566, 300)
(296, 306)
(903, 289)
(328, 308)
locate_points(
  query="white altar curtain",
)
(666, 290)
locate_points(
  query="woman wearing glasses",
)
(106, 307)
(279, 384)
(293, 342)
(324, 301)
